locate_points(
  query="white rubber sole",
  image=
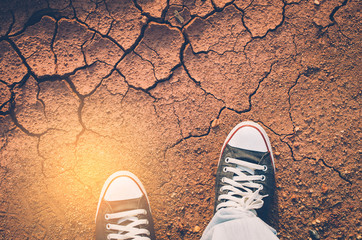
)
(116, 175)
(257, 127)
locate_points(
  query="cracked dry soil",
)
(90, 87)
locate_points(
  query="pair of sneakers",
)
(244, 179)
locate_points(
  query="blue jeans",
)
(237, 224)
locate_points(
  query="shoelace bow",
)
(240, 193)
(130, 231)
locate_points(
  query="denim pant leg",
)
(237, 224)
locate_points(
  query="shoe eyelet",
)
(108, 226)
(265, 168)
(261, 187)
(224, 169)
(106, 217)
(223, 180)
(263, 178)
(227, 160)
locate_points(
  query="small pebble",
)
(316, 221)
(215, 123)
(314, 234)
(196, 229)
(324, 188)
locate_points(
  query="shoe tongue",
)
(245, 169)
(246, 155)
(124, 205)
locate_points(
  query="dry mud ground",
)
(88, 88)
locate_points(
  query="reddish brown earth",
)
(88, 88)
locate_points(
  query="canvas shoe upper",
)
(123, 210)
(245, 176)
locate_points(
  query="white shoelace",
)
(131, 230)
(240, 188)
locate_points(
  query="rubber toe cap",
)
(122, 188)
(248, 138)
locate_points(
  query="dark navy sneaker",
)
(123, 209)
(245, 175)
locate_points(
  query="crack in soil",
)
(334, 11)
(342, 176)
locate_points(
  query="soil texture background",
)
(90, 87)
